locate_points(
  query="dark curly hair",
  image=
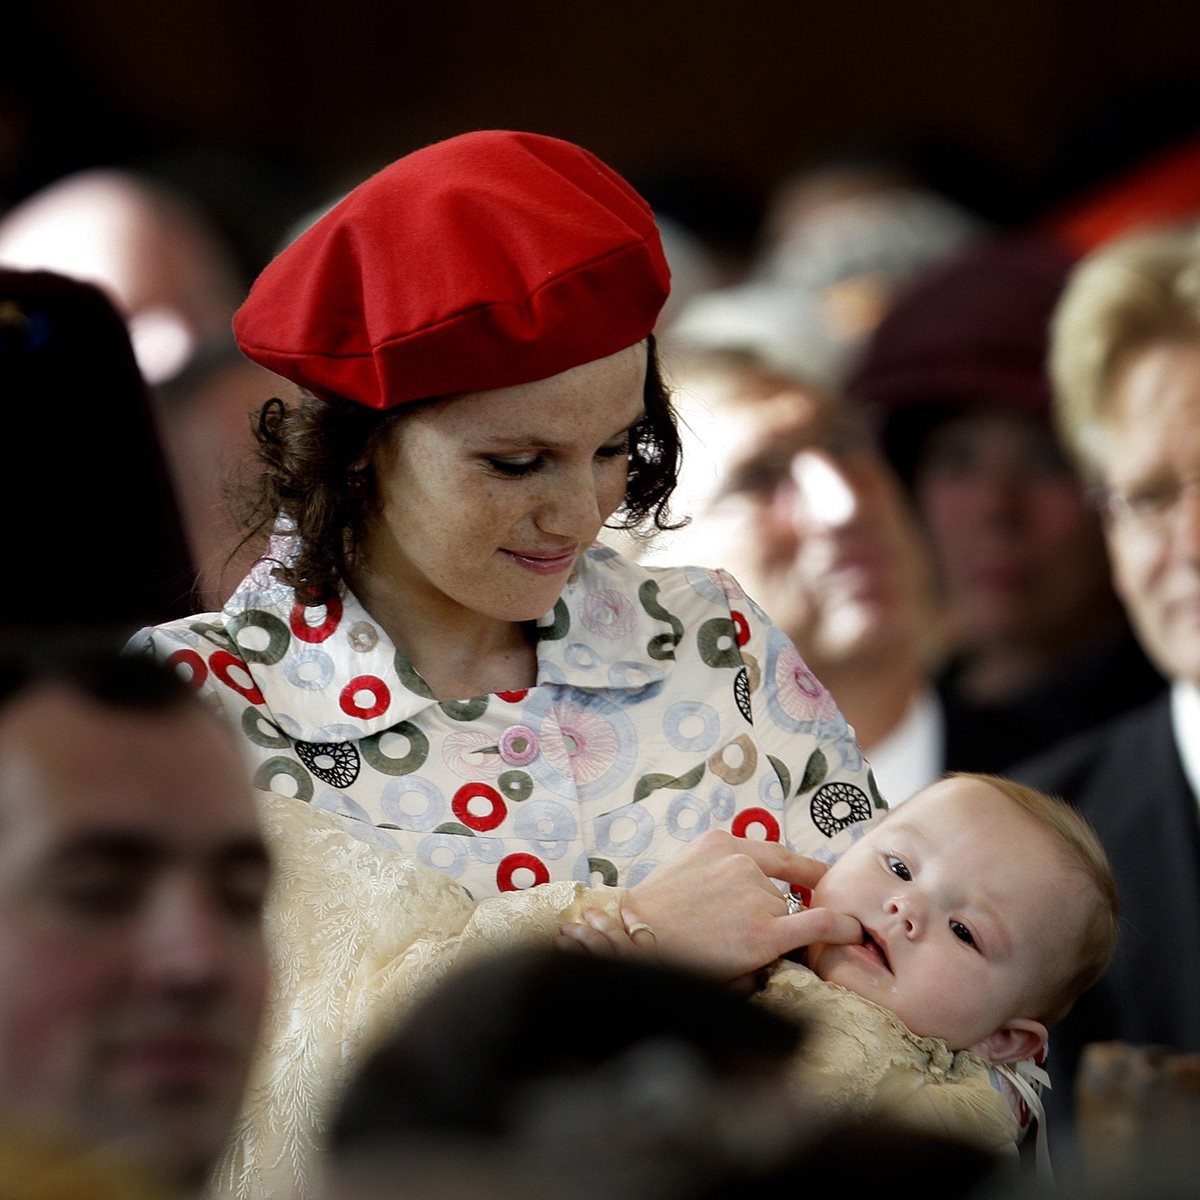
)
(310, 453)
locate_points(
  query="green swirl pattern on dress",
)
(256, 726)
(418, 750)
(716, 640)
(652, 782)
(266, 773)
(815, 772)
(454, 827)
(877, 799)
(605, 869)
(663, 645)
(215, 634)
(560, 625)
(785, 776)
(515, 786)
(409, 677)
(279, 636)
(465, 710)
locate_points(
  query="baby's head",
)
(987, 908)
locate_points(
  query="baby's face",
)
(965, 903)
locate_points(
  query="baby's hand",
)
(607, 937)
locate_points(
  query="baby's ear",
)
(1015, 1040)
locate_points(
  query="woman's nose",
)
(574, 508)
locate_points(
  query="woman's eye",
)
(961, 932)
(514, 468)
(616, 450)
(899, 868)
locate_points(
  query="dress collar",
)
(607, 631)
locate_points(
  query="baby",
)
(986, 908)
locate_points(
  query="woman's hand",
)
(715, 908)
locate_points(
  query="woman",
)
(435, 650)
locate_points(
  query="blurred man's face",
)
(1018, 548)
(132, 963)
(1153, 479)
(787, 492)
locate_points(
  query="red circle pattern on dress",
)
(223, 664)
(476, 791)
(189, 658)
(315, 633)
(749, 817)
(365, 683)
(513, 697)
(515, 862)
(741, 625)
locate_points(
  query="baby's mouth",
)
(876, 948)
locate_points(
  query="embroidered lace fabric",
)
(861, 1060)
(356, 932)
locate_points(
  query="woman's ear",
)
(1014, 1041)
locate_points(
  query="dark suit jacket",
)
(93, 533)
(1127, 779)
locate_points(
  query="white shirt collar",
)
(913, 754)
(1185, 723)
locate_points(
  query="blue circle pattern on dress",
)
(690, 711)
(310, 669)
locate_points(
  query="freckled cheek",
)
(612, 489)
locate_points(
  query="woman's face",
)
(486, 499)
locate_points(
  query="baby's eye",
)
(899, 868)
(961, 932)
(515, 468)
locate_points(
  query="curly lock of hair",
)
(315, 457)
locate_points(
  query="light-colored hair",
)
(1137, 290)
(1086, 962)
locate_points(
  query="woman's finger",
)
(822, 925)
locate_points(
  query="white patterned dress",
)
(666, 704)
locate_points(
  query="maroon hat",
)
(973, 330)
(486, 260)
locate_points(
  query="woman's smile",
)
(551, 562)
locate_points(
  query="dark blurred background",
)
(263, 109)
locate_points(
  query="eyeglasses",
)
(1147, 508)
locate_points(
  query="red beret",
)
(486, 260)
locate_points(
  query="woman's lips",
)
(545, 564)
